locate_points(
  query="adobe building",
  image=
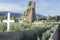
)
(29, 13)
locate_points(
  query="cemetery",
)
(43, 34)
(29, 26)
(26, 31)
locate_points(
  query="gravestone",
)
(29, 14)
(8, 22)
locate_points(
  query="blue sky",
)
(43, 7)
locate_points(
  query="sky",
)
(43, 7)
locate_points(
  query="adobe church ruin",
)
(29, 14)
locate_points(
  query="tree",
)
(57, 18)
(48, 17)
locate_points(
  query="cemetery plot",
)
(32, 32)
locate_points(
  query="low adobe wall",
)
(23, 35)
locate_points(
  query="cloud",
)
(43, 4)
(11, 7)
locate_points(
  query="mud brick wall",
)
(58, 32)
(11, 35)
(23, 35)
(18, 35)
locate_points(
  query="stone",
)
(29, 14)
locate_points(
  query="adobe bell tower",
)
(29, 14)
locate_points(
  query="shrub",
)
(3, 27)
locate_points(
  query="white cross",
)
(8, 22)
